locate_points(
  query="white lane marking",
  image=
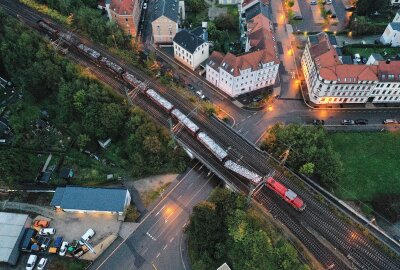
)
(179, 196)
(145, 250)
(158, 255)
(165, 247)
(180, 251)
(170, 240)
(152, 237)
(160, 210)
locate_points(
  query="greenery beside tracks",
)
(223, 230)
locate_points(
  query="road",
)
(159, 242)
(317, 226)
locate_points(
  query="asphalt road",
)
(159, 242)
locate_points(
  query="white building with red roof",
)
(329, 81)
(253, 70)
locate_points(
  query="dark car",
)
(318, 122)
(257, 99)
(190, 86)
(58, 242)
(361, 122)
(333, 16)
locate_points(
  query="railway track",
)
(360, 251)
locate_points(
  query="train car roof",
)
(185, 120)
(217, 150)
(89, 50)
(159, 99)
(277, 186)
(252, 176)
(298, 203)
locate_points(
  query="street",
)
(159, 240)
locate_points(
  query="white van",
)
(88, 234)
(47, 231)
(31, 262)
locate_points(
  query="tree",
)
(309, 145)
(368, 7)
(225, 22)
(82, 141)
(307, 169)
(196, 5)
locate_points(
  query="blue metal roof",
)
(90, 198)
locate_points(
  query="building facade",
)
(331, 82)
(166, 19)
(191, 48)
(126, 13)
(253, 70)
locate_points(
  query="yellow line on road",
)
(155, 268)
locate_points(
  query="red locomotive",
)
(286, 194)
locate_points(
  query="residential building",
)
(253, 70)
(330, 82)
(91, 200)
(191, 47)
(12, 229)
(166, 19)
(126, 13)
(229, 2)
(391, 35)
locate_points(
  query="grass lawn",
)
(148, 197)
(366, 52)
(371, 164)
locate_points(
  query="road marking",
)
(170, 240)
(165, 247)
(155, 268)
(149, 235)
(158, 255)
(160, 210)
(166, 196)
(145, 250)
(179, 196)
(180, 251)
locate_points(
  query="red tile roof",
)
(260, 34)
(123, 7)
(389, 68)
(215, 60)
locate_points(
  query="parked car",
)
(145, 6)
(41, 223)
(389, 121)
(31, 262)
(297, 17)
(58, 242)
(361, 122)
(43, 242)
(47, 231)
(332, 16)
(347, 122)
(190, 86)
(88, 234)
(357, 57)
(41, 264)
(257, 98)
(313, 2)
(318, 122)
(79, 251)
(328, 2)
(201, 95)
(63, 248)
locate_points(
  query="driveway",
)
(73, 226)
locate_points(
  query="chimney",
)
(388, 61)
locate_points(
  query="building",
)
(224, 267)
(126, 13)
(229, 2)
(91, 200)
(253, 70)
(191, 48)
(374, 59)
(166, 19)
(12, 229)
(330, 82)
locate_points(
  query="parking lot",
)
(72, 226)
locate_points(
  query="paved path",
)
(42, 210)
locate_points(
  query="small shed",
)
(66, 173)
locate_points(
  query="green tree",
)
(309, 145)
(307, 169)
(368, 7)
(82, 141)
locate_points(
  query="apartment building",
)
(166, 19)
(331, 82)
(191, 48)
(253, 70)
(126, 13)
